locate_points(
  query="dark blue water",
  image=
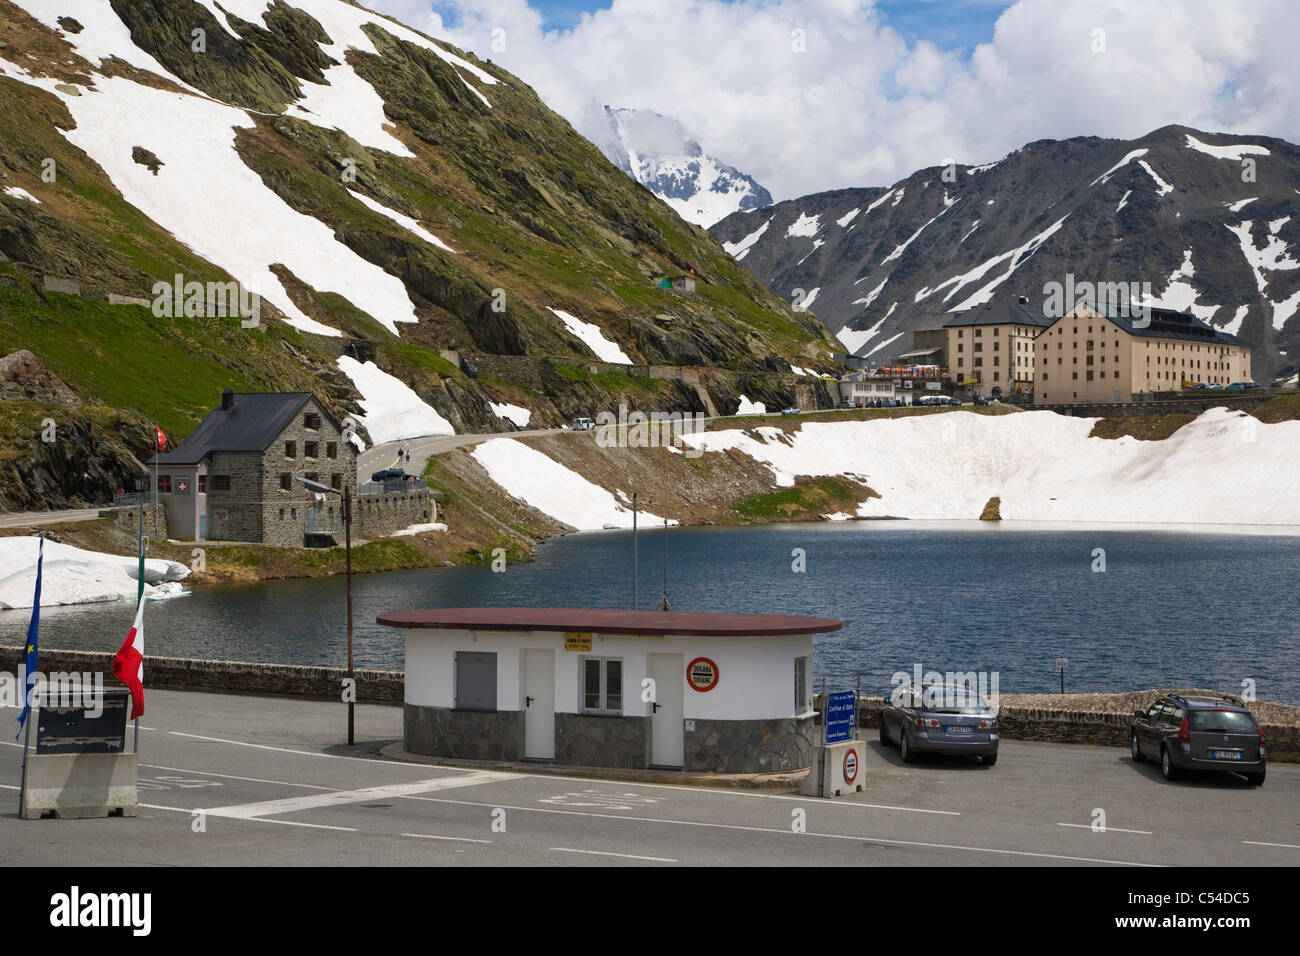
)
(1172, 607)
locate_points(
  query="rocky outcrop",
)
(24, 378)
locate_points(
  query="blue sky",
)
(949, 24)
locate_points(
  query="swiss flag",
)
(128, 665)
(160, 438)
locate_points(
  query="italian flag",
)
(128, 665)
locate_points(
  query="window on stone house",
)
(311, 449)
(286, 482)
(311, 420)
(220, 482)
(291, 449)
(331, 449)
(336, 480)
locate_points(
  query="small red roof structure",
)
(703, 624)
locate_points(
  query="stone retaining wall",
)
(127, 518)
(377, 516)
(234, 677)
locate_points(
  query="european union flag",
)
(33, 643)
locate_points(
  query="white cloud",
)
(863, 107)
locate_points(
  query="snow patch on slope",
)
(592, 337)
(19, 193)
(1105, 177)
(1226, 152)
(548, 486)
(393, 411)
(738, 250)
(406, 222)
(514, 413)
(805, 226)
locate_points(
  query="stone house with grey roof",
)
(232, 478)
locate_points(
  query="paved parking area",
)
(231, 780)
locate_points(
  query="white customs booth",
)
(705, 692)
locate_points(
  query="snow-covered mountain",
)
(657, 152)
(1210, 221)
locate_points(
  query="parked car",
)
(388, 474)
(846, 405)
(582, 424)
(981, 400)
(1215, 386)
(1199, 733)
(1235, 387)
(954, 400)
(1249, 385)
(789, 410)
(939, 718)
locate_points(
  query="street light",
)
(1062, 664)
(140, 482)
(320, 489)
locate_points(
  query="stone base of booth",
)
(463, 734)
(585, 740)
(751, 746)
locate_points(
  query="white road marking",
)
(231, 776)
(287, 823)
(784, 832)
(333, 798)
(1088, 826)
(728, 792)
(1286, 846)
(309, 753)
(432, 836)
(625, 856)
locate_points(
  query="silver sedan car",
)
(940, 718)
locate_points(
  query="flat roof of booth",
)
(703, 624)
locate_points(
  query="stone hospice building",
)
(232, 479)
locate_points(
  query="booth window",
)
(476, 680)
(602, 684)
(800, 684)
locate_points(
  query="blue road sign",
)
(841, 713)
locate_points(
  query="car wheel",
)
(1255, 779)
(1167, 768)
(1136, 749)
(884, 733)
(908, 754)
(989, 759)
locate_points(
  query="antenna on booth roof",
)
(666, 606)
(634, 568)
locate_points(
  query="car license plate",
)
(956, 730)
(1226, 754)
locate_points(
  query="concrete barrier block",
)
(80, 786)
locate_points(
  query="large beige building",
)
(990, 348)
(1086, 356)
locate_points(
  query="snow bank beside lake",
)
(1223, 468)
(548, 486)
(73, 576)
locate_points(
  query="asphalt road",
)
(277, 788)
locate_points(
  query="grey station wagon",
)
(943, 719)
(1200, 733)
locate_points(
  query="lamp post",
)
(140, 483)
(347, 533)
(1061, 664)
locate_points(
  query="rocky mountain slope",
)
(1211, 221)
(381, 197)
(657, 152)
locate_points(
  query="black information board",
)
(85, 730)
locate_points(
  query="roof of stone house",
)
(253, 421)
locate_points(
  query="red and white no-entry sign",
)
(850, 765)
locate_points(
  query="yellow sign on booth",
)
(574, 641)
